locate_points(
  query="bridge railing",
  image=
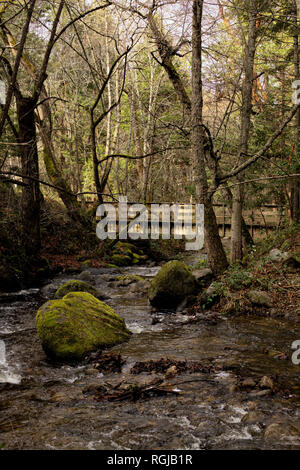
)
(268, 216)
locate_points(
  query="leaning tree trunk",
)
(216, 255)
(75, 210)
(30, 168)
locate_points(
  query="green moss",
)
(114, 266)
(75, 286)
(136, 259)
(172, 284)
(126, 254)
(78, 323)
(131, 277)
(126, 247)
(121, 260)
(87, 263)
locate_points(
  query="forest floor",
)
(277, 281)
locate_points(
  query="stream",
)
(48, 406)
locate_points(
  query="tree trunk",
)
(30, 167)
(45, 124)
(238, 192)
(44, 120)
(165, 52)
(216, 255)
(295, 186)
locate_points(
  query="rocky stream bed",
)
(242, 390)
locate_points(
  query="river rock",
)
(59, 397)
(126, 280)
(252, 405)
(85, 276)
(77, 324)
(171, 372)
(248, 383)
(210, 297)
(140, 287)
(280, 431)
(203, 276)
(260, 298)
(266, 382)
(172, 284)
(277, 255)
(126, 254)
(253, 417)
(78, 286)
(49, 290)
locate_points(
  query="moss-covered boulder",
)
(172, 284)
(126, 254)
(78, 323)
(121, 260)
(78, 286)
(262, 298)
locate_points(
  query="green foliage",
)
(237, 278)
(203, 263)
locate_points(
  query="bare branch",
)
(13, 80)
(264, 149)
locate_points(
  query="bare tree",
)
(216, 256)
(247, 88)
(295, 186)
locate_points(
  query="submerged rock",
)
(78, 286)
(172, 284)
(77, 324)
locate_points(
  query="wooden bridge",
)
(264, 219)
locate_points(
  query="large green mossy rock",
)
(172, 284)
(76, 286)
(78, 323)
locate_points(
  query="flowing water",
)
(46, 406)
